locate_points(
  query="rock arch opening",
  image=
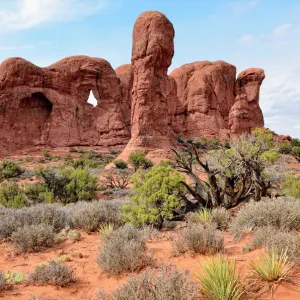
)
(32, 116)
(92, 99)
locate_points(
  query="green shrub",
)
(91, 216)
(38, 193)
(139, 161)
(124, 250)
(11, 195)
(54, 273)
(220, 281)
(46, 154)
(157, 197)
(277, 241)
(199, 240)
(282, 213)
(9, 169)
(164, 283)
(121, 164)
(290, 186)
(68, 185)
(31, 238)
(72, 150)
(296, 152)
(295, 142)
(91, 159)
(272, 267)
(284, 148)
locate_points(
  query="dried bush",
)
(282, 213)
(123, 250)
(166, 282)
(53, 273)
(277, 241)
(118, 179)
(46, 214)
(218, 216)
(91, 216)
(2, 279)
(199, 239)
(31, 238)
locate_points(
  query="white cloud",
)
(246, 39)
(9, 48)
(22, 14)
(282, 30)
(243, 5)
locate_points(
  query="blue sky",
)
(246, 33)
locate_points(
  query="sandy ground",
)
(90, 278)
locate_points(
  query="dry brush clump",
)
(277, 241)
(281, 213)
(124, 250)
(164, 283)
(32, 238)
(91, 216)
(53, 273)
(199, 239)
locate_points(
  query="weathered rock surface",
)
(48, 106)
(125, 76)
(153, 91)
(246, 113)
(205, 97)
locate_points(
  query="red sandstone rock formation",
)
(125, 76)
(153, 91)
(205, 97)
(246, 113)
(48, 106)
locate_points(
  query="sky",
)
(245, 33)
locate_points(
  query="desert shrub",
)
(248, 169)
(166, 282)
(218, 216)
(219, 280)
(121, 164)
(106, 229)
(11, 195)
(124, 250)
(91, 159)
(199, 239)
(53, 273)
(290, 186)
(9, 169)
(74, 235)
(282, 213)
(277, 241)
(68, 158)
(139, 161)
(38, 193)
(72, 150)
(118, 179)
(2, 279)
(31, 238)
(295, 142)
(296, 152)
(272, 267)
(46, 214)
(157, 197)
(68, 185)
(284, 148)
(91, 216)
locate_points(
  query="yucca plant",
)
(219, 280)
(105, 229)
(272, 267)
(204, 216)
